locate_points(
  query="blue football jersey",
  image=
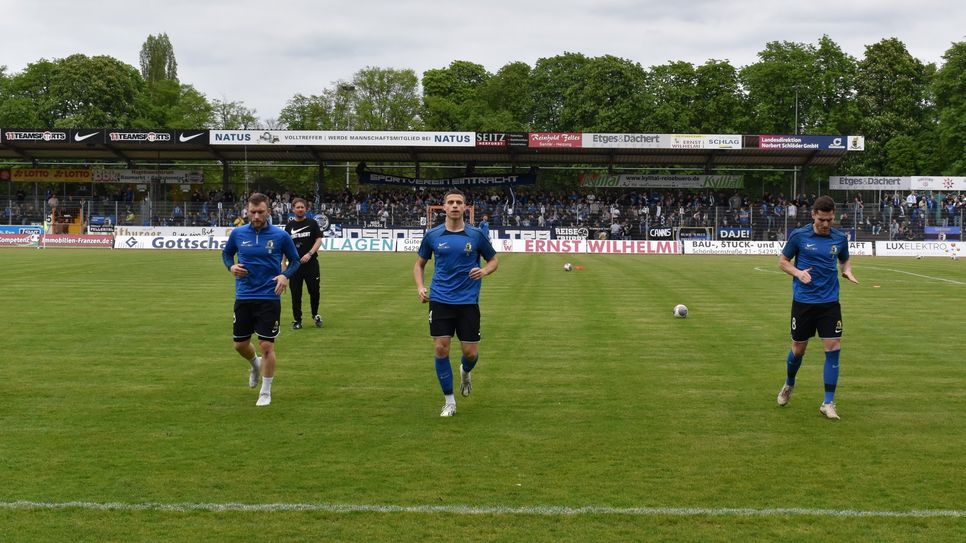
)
(456, 254)
(260, 251)
(821, 254)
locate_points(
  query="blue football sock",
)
(444, 372)
(467, 364)
(793, 364)
(831, 374)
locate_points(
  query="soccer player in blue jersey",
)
(259, 283)
(817, 249)
(454, 294)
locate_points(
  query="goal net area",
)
(436, 215)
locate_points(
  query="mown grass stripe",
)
(479, 510)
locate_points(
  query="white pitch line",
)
(768, 271)
(470, 510)
(917, 275)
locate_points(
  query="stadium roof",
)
(523, 149)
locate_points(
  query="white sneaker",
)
(448, 410)
(254, 374)
(828, 409)
(785, 394)
(466, 382)
(318, 321)
(263, 400)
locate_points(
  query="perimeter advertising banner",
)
(705, 141)
(757, 248)
(342, 138)
(837, 182)
(502, 139)
(367, 177)
(661, 181)
(13, 135)
(920, 248)
(70, 240)
(626, 141)
(555, 140)
(141, 136)
(164, 177)
(811, 143)
(941, 183)
(207, 243)
(51, 175)
(19, 240)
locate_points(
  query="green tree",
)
(451, 95)
(385, 99)
(949, 89)
(675, 88)
(168, 104)
(719, 102)
(778, 84)
(233, 116)
(611, 96)
(893, 98)
(157, 59)
(552, 78)
(307, 113)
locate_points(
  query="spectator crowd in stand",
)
(618, 212)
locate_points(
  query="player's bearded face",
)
(258, 214)
(823, 221)
(299, 210)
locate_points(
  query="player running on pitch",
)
(817, 249)
(454, 294)
(259, 283)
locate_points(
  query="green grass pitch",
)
(120, 386)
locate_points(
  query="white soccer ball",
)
(955, 257)
(568, 266)
(918, 257)
(680, 311)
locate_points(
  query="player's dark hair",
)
(454, 191)
(299, 201)
(824, 203)
(258, 198)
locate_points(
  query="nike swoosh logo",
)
(78, 137)
(184, 139)
(296, 231)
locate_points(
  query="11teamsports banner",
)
(661, 181)
(342, 137)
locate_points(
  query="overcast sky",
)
(261, 52)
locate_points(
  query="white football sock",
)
(255, 363)
(266, 385)
(450, 399)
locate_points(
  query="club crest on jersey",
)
(468, 249)
(270, 245)
(834, 249)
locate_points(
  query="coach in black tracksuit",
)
(307, 237)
